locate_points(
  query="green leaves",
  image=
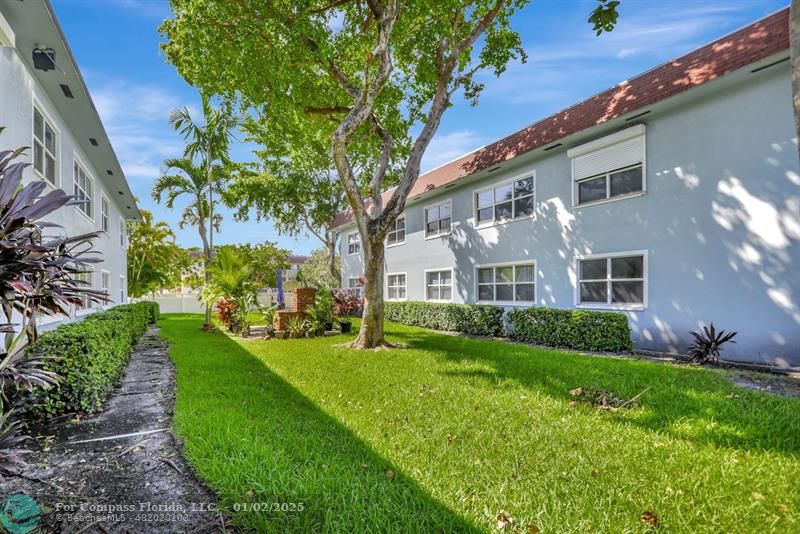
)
(572, 329)
(604, 17)
(474, 319)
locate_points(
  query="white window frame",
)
(357, 244)
(404, 286)
(359, 288)
(105, 274)
(88, 304)
(425, 284)
(611, 305)
(105, 214)
(492, 187)
(605, 142)
(47, 120)
(78, 162)
(515, 264)
(123, 233)
(607, 175)
(425, 219)
(123, 290)
(394, 230)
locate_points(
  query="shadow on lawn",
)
(248, 430)
(686, 403)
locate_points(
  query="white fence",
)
(190, 303)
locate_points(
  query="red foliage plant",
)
(226, 310)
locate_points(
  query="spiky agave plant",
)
(37, 275)
(708, 344)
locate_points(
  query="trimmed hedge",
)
(572, 329)
(90, 357)
(475, 319)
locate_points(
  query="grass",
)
(443, 435)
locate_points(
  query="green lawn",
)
(443, 435)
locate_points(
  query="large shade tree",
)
(375, 76)
(292, 184)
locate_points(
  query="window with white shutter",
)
(609, 168)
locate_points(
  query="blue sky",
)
(117, 48)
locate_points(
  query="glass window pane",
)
(504, 275)
(444, 211)
(485, 199)
(49, 138)
(400, 223)
(392, 293)
(433, 278)
(38, 125)
(627, 292)
(485, 214)
(502, 211)
(523, 187)
(523, 207)
(625, 182)
(629, 267)
(485, 292)
(446, 293)
(525, 273)
(401, 236)
(444, 277)
(594, 292)
(444, 225)
(433, 292)
(502, 193)
(38, 157)
(401, 292)
(592, 190)
(50, 168)
(525, 292)
(432, 214)
(486, 276)
(505, 292)
(432, 228)
(593, 269)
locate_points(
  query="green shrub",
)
(475, 319)
(90, 358)
(572, 329)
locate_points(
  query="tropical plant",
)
(38, 274)
(345, 304)
(231, 277)
(296, 327)
(155, 261)
(264, 258)
(268, 314)
(315, 321)
(226, 311)
(317, 271)
(182, 177)
(708, 344)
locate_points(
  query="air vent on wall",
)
(642, 114)
(108, 171)
(93, 141)
(66, 90)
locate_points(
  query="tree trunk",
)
(794, 51)
(330, 243)
(201, 227)
(370, 335)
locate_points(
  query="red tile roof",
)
(752, 43)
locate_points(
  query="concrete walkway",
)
(120, 470)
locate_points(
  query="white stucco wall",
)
(18, 93)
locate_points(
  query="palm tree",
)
(182, 177)
(210, 142)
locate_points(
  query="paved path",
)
(120, 470)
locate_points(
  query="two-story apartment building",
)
(45, 105)
(673, 197)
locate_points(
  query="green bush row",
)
(90, 356)
(475, 319)
(572, 329)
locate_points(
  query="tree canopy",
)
(155, 261)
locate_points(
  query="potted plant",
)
(323, 303)
(345, 303)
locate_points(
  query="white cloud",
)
(447, 147)
(135, 116)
